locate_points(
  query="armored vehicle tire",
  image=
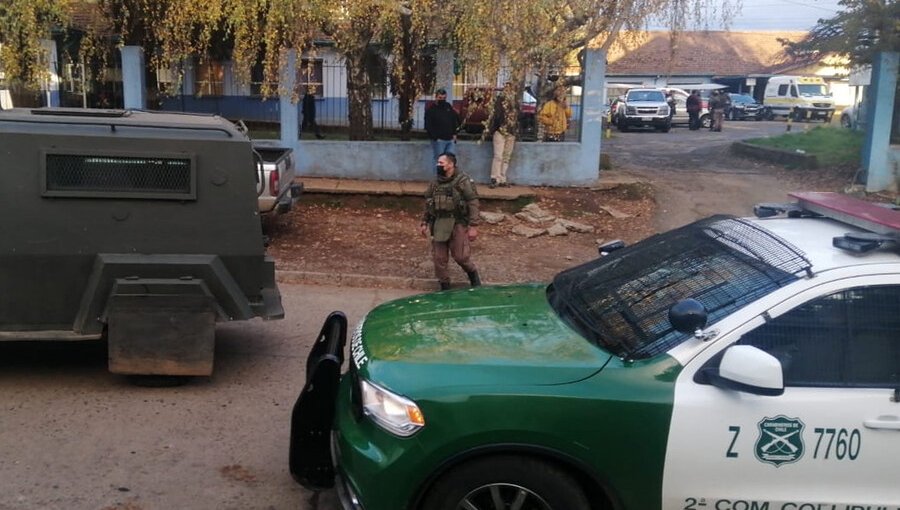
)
(530, 483)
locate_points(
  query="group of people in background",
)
(719, 101)
(442, 124)
(451, 199)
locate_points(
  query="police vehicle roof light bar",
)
(881, 221)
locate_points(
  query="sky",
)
(783, 14)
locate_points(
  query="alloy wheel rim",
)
(503, 496)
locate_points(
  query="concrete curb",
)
(778, 156)
(356, 280)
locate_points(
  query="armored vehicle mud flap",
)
(313, 414)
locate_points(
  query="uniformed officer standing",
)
(451, 215)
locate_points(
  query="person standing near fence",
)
(451, 216)
(554, 116)
(504, 128)
(441, 124)
(308, 109)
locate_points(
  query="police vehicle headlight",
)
(398, 415)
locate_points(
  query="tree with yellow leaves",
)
(540, 35)
(23, 26)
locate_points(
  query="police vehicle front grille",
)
(74, 175)
(621, 301)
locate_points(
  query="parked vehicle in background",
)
(694, 370)
(853, 116)
(276, 189)
(474, 111)
(141, 227)
(614, 108)
(744, 107)
(800, 97)
(644, 107)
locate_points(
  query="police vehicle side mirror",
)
(688, 316)
(749, 369)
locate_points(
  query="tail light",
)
(273, 183)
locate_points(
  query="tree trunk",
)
(359, 95)
(407, 85)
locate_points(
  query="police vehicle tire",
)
(705, 121)
(547, 487)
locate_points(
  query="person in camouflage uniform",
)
(451, 216)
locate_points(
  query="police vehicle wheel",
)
(705, 121)
(482, 484)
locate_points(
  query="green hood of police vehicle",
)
(505, 335)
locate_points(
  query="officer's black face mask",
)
(441, 171)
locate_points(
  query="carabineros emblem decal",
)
(780, 440)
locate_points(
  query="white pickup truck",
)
(275, 184)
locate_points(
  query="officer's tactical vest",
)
(448, 206)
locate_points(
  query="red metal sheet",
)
(853, 211)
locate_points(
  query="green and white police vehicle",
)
(731, 364)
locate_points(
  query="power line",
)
(798, 3)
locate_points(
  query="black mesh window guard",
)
(118, 176)
(621, 301)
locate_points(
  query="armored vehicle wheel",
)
(506, 482)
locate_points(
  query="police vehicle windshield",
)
(621, 301)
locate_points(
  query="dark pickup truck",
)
(138, 226)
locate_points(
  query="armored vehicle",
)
(139, 226)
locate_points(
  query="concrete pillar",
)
(289, 111)
(188, 77)
(876, 155)
(443, 75)
(591, 115)
(51, 87)
(134, 84)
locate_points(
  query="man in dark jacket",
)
(693, 105)
(308, 109)
(441, 123)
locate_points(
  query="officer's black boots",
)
(474, 279)
(445, 285)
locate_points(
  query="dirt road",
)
(694, 174)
